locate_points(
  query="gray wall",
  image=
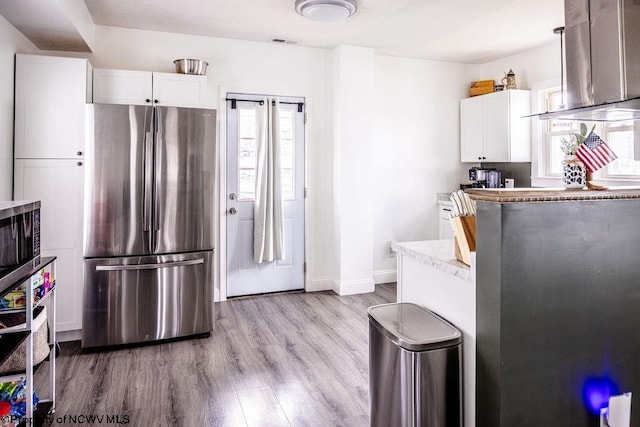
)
(521, 172)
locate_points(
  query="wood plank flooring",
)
(278, 360)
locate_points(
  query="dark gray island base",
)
(558, 303)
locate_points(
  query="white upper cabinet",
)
(179, 90)
(145, 88)
(50, 97)
(122, 87)
(493, 129)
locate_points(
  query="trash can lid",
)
(412, 327)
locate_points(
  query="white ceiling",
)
(471, 31)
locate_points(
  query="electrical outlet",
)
(390, 252)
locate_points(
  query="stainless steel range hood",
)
(603, 60)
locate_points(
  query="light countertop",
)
(528, 195)
(436, 253)
(444, 197)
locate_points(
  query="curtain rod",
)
(261, 102)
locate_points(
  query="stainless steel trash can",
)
(415, 374)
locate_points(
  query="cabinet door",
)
(58, 184)
(519, 126)
(496, 127)
(179, 90)
(445, 230)
(122, 87)
(50, 98)
(471, 126)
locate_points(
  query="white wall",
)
(11, 42)
(352, 110)
(416, 149)
(530, 67)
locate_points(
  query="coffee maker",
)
(478, 177)
(485, 178)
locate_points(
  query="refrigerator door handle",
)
(149, 266)
(156, 190)
(157, 158)
(148, 176)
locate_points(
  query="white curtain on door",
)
(268, 221)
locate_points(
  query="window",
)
(248, 151)
(554, 132)
(618, 135)
(620, 138)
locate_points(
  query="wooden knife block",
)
(464, 230)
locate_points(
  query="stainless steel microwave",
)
(19, 240)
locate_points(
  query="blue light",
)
(596, 392)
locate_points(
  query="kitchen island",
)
(550, 309)
(557, 304)
(430, 276)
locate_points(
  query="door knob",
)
(233, 211)
(232, 196)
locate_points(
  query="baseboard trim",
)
(65, 336)
(319, 284)
(385, 276)
(353, 287)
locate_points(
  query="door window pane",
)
(287, 135)
(247, 153)
(287, 184)
(246, 184)
(248, 148)
(247, 122)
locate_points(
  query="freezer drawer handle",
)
(149, 266)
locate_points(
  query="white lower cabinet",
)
(445, 231)
(149, 88)
(58, 184)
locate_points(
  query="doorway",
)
(244, 275)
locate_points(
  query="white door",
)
(244, 276)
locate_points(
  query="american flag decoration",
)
(595, 153)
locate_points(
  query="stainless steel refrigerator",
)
(148, 223)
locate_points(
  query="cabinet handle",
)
(79, 153)
(155, 101)
(79, 163)
(445, 209)
(147, 100)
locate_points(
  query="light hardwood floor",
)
(290, 359)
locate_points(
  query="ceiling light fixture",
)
(326, 10)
